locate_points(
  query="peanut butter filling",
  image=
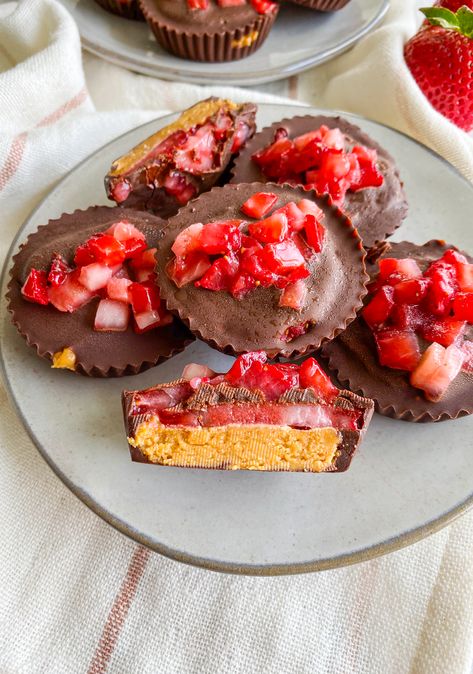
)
(234, 447)
(65, 359)
(195, 116)
(246, 40)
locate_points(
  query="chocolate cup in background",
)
(336, 286)
(127, 9)
(322, 5)
(353, 358)
(376, 211)
(216, 35)
(99, 354)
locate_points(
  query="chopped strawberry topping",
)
(294, 295)
(322, 160)
(405, 303)
(259, 204)
(102, 267)
(312, 376)
(220, 256)
(437, 369)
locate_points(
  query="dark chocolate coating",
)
(214, 34)
(354, 359)
(127, 9)
(100, 354)
(335, 288)
(376, 211)
(346, 399)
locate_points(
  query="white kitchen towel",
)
(76, 596)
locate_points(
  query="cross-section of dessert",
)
(183, 159)
(257, 416)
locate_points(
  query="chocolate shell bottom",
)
(353, 358)
(241, 446)
(322, 5)
(127, 9)
(217, 41)
(49, 331)
(375, 212)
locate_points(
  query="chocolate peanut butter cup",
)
(96, 318)
(128, 9)
(424, 338)
(332, 155)
(182, 159)
(284, 283)
(210, 30)
(257, 416)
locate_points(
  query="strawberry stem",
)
(460, 21)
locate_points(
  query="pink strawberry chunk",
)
(58, 271)
(378, 310)
(219, 238)
(463, 306)
(437, 369)
(271, 230)
(118, 289)
(35, 287)
(183, 270)
(220, 274)
(445, 331)
(315, 232)
(259, 204)
(112, 316)
(312, 376)
(397, 349)
(70, 295)
(95, 276)
(188, 240)
(400, 269)
(294, 295)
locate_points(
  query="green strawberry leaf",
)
(439, 16)
(461, 21)
(465, 21)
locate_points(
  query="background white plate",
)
(300, 39)
(406, 481)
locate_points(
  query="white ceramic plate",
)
(300, 39)
(406, 481)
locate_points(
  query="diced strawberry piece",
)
(465, 277)
(305, 250)
(309, 207)
(241, 284)
(315, 233)
(442, 288)
(134, 247)
(95, 276)
(273, 158)
(249, 244)
(306, 157)
(301, 142)
(270, 230)
(193, 370)
(177, 186)
(377, 311)
(369, 175)
(188, 240)
(144, 297)
(241, 135)
(454, 257)
(118, 289)
(463, 307)
(58, 271)
(444, 331)
(220, 274)
(35, 288)
(467, 348)
(437, 369)
(263, 6)
(259, 204)
(154, 318)
(186, 269)
(243, 365)
(334, 138)
(71, 294)
(282, 258)
(124, 231)
(294, 295)
(145, 276)
(112, 316)
(120, 191)
(295, 331)
(397, 349)
(145, 260)
(196, 155)
(197, 4)
(407, 316)
(312, 376)
(295, 216)
(101, 248)
(219, 238)
(402, 269)
(411, 291)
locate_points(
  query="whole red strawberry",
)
(440, 58)
(454, 5)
